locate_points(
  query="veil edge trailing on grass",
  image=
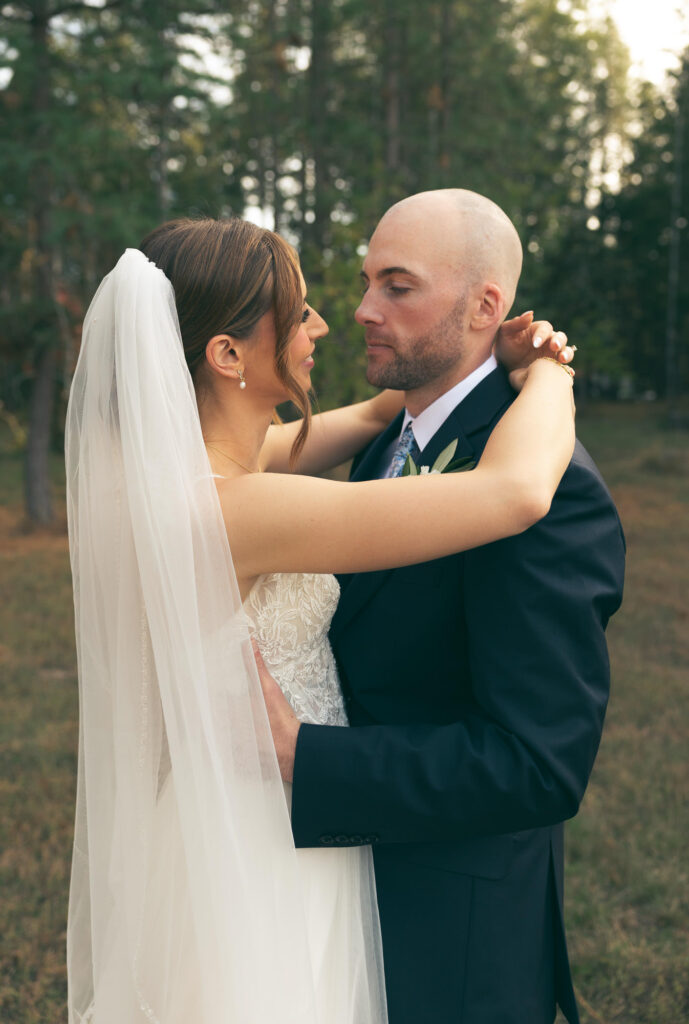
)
(184, 901)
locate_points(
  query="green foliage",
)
(317, 116)
(636, 229)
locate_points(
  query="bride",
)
(188, 901)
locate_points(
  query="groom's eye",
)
(398, 289)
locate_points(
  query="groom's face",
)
(413, 308)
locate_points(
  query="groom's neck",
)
(420, 398)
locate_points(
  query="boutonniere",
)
(445, 463)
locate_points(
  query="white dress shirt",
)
(429, 422)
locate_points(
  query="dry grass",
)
(38, 709)
(628, 872)
(628, 892)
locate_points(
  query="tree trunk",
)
(276, 45)
(446, 46)
(160, 156)
(317, 232)
(673, 264)
(38, 493)
(392, 47)
(38, 489)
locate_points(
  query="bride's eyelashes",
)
(305, 315)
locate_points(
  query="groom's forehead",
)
(423, 253)
(379, 265)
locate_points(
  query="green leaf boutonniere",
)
(445, 463)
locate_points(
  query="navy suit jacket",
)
(476, 687)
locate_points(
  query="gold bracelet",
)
(563, 366)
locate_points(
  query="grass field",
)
(628, 868)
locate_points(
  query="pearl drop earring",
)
(242, 382)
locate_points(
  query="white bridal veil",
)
(184, 902)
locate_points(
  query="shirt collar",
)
(429, 422)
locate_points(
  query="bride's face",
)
(303, 342)
(261, 374)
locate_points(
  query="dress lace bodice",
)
(289, 615)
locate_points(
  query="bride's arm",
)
(335, 436)
(301, 524)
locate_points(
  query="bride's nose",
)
(316, 327)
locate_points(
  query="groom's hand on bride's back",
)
(522, 340)
(284, 724)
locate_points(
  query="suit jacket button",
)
(357, 840)
(326, 840)
(371, 839)
(342, 839)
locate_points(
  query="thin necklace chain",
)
(214, 448)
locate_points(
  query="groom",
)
(476, 685)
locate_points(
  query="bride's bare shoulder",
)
(264, 515)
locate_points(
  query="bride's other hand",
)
(522, 340)
(284, 724)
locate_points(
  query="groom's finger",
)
(258, 657)
(275, 699)
(267, 681)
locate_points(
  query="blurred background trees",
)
(315, 116)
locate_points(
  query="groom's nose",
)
(366, 312)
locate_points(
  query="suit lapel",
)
(368, 465)
(470, 423)
(356, 589)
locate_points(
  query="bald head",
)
(462, 230)
(440, 275)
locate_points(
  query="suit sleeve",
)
(537, 606)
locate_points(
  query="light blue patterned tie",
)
(405, 446)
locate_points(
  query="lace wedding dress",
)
(289, 616)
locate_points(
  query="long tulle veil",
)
(184, 902)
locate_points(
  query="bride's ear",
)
(225, 355)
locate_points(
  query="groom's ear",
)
(489, 309)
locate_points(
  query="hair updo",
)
(226, 275)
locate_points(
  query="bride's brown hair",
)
(227, 274)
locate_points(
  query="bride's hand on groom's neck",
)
(522, 340)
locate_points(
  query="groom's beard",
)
(424, 359)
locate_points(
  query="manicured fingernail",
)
(573, 348)
(537, 342)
